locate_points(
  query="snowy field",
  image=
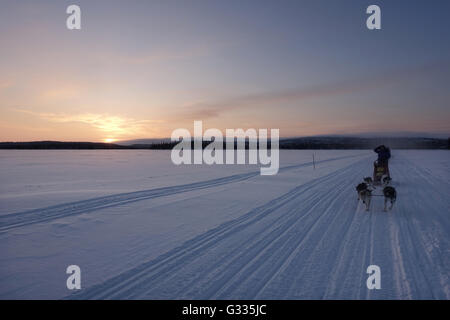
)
(141, 228)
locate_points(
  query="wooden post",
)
(314, 162)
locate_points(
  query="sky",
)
(141, 69)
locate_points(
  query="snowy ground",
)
(140, 227)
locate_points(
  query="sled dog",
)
(390, 195)
(386, 180)
(368, 181)
(364, 194)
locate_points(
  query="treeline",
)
(58, 145)
(364, 143)
(292, 143)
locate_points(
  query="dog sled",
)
(379, 185)
(380, 171)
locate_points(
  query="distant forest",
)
(290, 143)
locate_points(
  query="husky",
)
(390, 195)
(364, 194)
(368, 181)
(386, 180)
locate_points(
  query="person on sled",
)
(381, 166)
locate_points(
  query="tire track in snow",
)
(407, 243)
(401, 281)
(310, 272)
(347, 246)
(422, 233)
(299, 244)
(304, 244)
(171, 267)
(19, 219)
(277, 245)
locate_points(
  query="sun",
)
(109, 140)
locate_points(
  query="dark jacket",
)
(384, 153)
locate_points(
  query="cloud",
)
(116, 126)
(215, 109)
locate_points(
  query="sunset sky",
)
(141, 69)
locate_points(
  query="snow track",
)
(312, 242)
(301, 234)
(14, 220)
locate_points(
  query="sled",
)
(380, 170)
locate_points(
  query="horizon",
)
(354, 136)
(307, 68)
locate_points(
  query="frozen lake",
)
(140, 227)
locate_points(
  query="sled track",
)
(313, 242)
(260, 244)
(19, 219)
(426, 236)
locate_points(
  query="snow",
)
(140, 227)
